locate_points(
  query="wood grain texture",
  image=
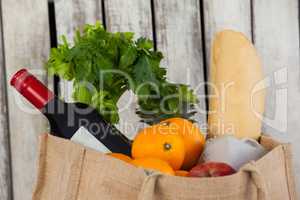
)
(229, 14)
(276, 36)
(129, 16)
(5, 167)
(71, 15)
(133, 16)
(178, 31)
(26, 44)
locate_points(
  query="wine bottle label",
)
(84, 137)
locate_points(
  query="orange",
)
(181, 173)
(153, 164)
(193, 139)
(158, 143)
(120, 156)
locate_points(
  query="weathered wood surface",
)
(229, 14)
(71, 15)
(276, 36)
(132, 16)
(26, 44)
(178, 36)
(5, 167)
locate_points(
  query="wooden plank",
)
(71, 15)
(276, 36)
(133, 16)
(5, 167)
(229, 14)
(26, 43)
(178, 31)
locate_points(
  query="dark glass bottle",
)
(66, 119)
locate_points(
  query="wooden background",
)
(182, 29)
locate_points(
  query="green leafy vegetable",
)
(103, 65)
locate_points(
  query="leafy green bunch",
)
(103, 65)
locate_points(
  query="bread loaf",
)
(235, 71)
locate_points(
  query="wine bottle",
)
(75, 121)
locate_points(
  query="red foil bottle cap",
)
(31, 88)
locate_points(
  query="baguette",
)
(234, 107)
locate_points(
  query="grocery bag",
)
(68, 171)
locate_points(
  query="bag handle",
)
(258, 179)
(148, 186)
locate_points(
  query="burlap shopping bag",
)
(68, 171)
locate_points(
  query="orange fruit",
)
(153, 164)
(193, 139)
(156, 143)
(120, 156)
(181, 173)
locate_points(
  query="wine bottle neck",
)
(31, 88)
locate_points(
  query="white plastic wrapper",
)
(230, 150)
